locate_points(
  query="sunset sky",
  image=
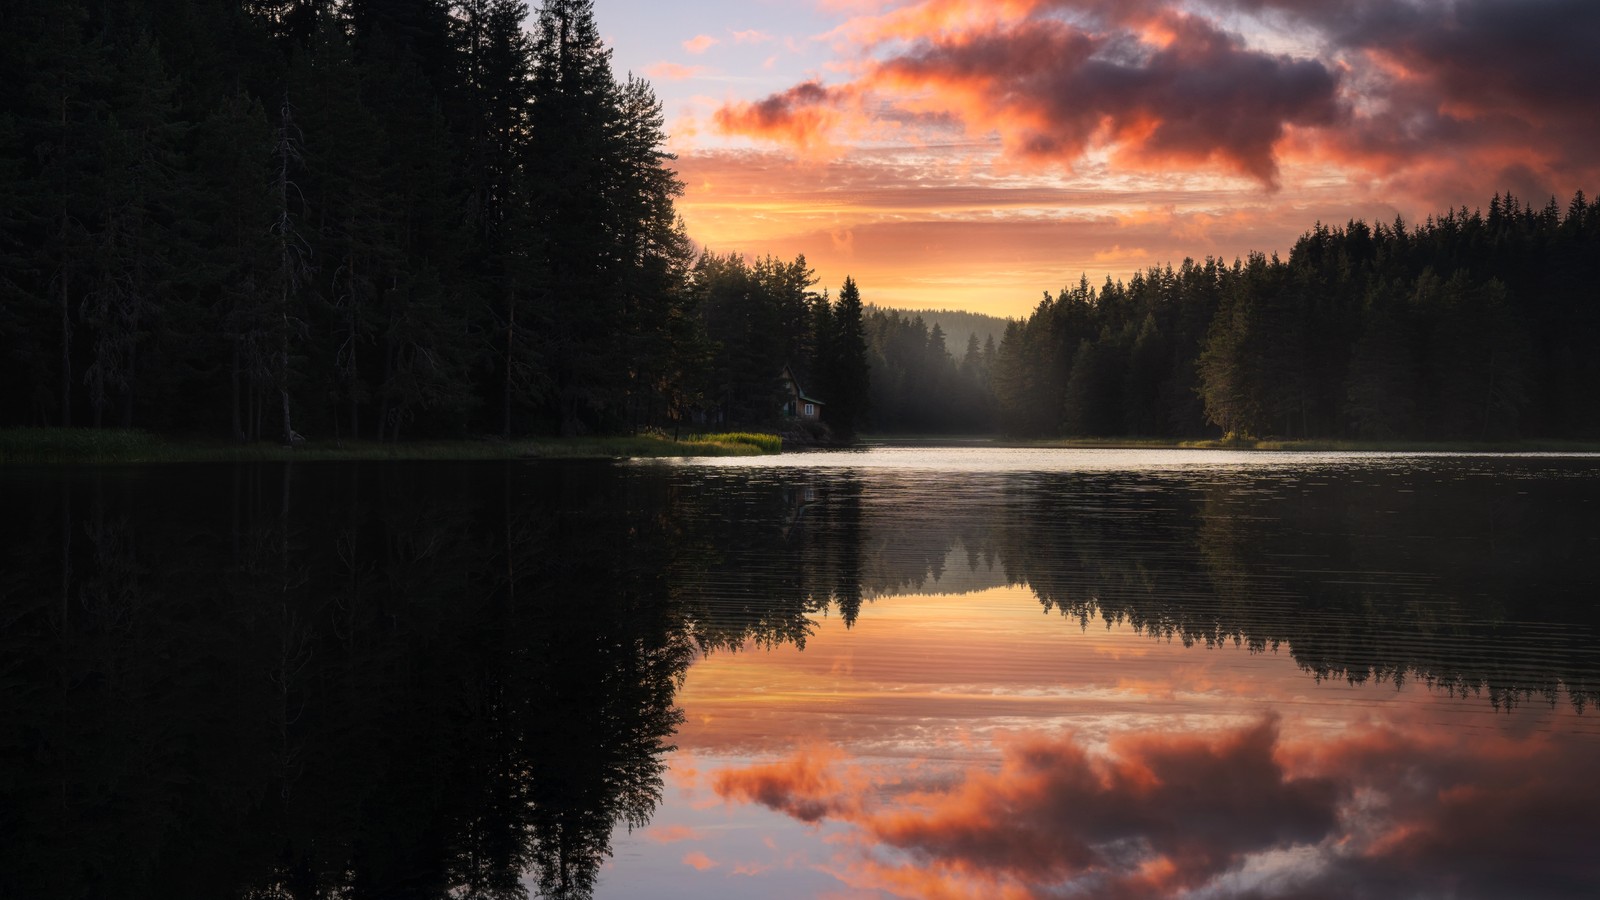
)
(973, 153)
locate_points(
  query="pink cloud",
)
(672, 834)
(699, 861)
(1381, 812)
(671, 71)
(700, 43)
(805, 116)
(1444, 101)
(805, 787)
(1185, 92)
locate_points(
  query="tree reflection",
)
(1473, 586)
(345, 681)
(428, 681)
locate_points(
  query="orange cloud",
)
(804, 787)
(1381, 811)
(1056, 91)
(805, 116)
(751, 36)
(1159, 88)
(930, 17)
(1054, 813)
(1431, 102)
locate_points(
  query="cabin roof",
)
(799, 391)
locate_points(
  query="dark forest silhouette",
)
(392, 218)
(363, 219)
(1469, 326)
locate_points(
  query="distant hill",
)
(956, 325)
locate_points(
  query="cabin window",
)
(811, 410)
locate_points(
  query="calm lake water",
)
(957, 672)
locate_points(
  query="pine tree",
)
(847, 371)
(489, 107)
(1381, 389)
(654, 253)
(57, 77)
(293, 264)
(233, 254)
(574, 106)
(133, 242)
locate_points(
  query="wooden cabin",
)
(796, 404)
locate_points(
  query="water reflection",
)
(429, 681)
(1242, 812)
(1474, 575)
(330, 681)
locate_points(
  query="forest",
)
(918, 385)
(1470, 326)
(384, 219)
(368, 219)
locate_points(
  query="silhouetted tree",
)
(846, 373)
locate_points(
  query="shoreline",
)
(74, 446)
(86, 446)
(1265, 445)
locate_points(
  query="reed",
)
(766, 443)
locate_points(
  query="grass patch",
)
(764, 443)
(92, 445)
(51, 446)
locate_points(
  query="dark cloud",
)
(1446, 100)
(1054, 812)
(802, 115)
(1482, 89)
(1202, 96)
(1487, 818)
(1055, 88)
(1384, 812)
(803, 788)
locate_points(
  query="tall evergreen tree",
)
(574, 107)
(847, 373)
(234, 256)
(293, 265)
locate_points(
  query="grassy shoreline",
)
(54, 446)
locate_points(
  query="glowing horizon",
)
(969, 155)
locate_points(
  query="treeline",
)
(919, 386)
(759, 316)
(1470, 326)
(958, 325)
(352, 218)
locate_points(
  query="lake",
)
(898, 672)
